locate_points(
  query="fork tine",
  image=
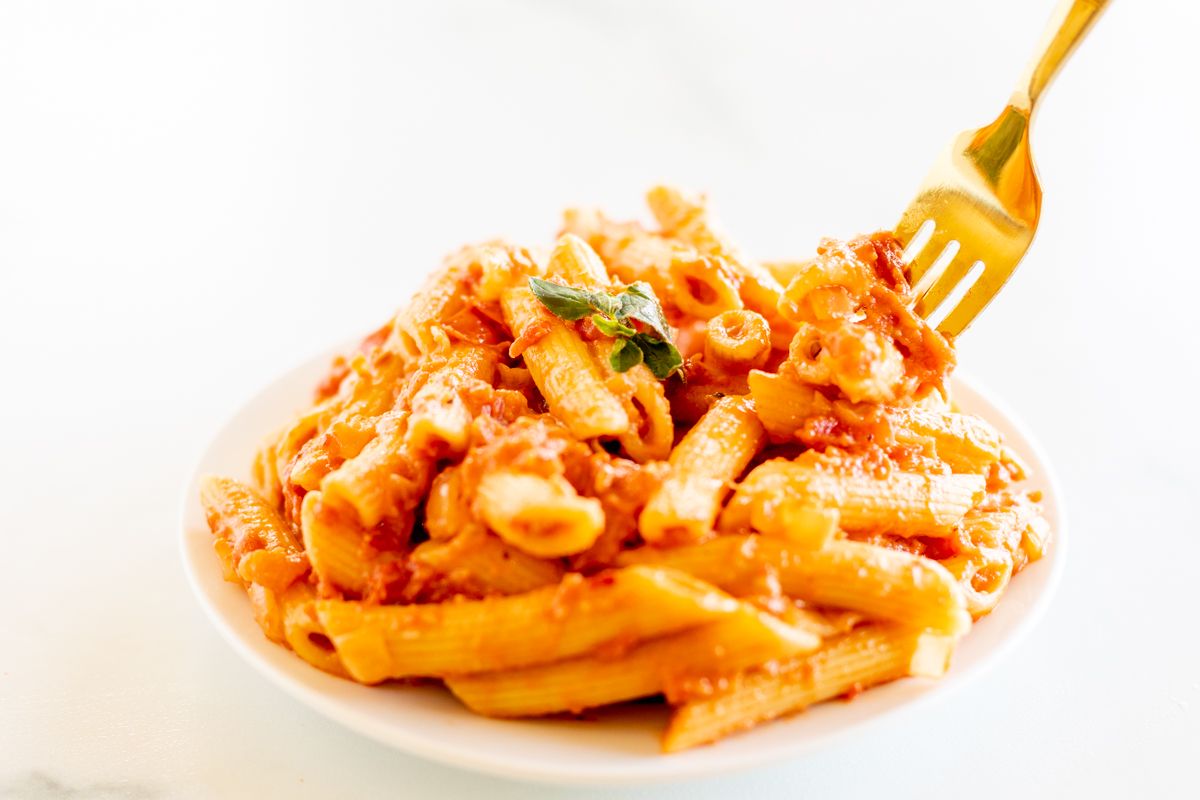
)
(986, 286)
(944, 284)
(923, 260)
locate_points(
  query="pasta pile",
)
(639, 464)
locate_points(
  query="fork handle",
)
(1071, 21)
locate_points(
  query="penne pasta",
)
(447, 509)
(336, 546)
(737, 341)
(389, 476)
(441, 298)
(688, 220)
(501, 267)
(557, 622)
(651, 429)
(881, 583)
(703, 464)
(348, 424)
(866, 657)
(476, 562)
(628, 250)
(983, 576)
(543, 516)
(258, 545)
(705, 286)
(265, 474)
(303, 632)
(267, 611)
(966, 443)
(739, 641)
(802, 526)
(637, 464)
(577, 264)
(291, 443)
(863, 363)
(996, 542)
(441, 417)
(563, 369)
(785, 405)
(904, 503)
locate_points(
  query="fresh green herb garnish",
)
(625, 355)
(615, 315)
(566, 302)
(612, 327)
(661, 357)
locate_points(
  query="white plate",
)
(614, 746)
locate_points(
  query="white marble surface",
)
(192, 197)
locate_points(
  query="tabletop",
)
(195, 197)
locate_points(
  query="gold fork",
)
(977, 211)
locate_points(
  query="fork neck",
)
(1071, 21)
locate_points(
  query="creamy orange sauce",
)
(845, 380)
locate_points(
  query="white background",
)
(193, 198)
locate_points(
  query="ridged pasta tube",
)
(871, 655)
(574, 617)
(706, 460)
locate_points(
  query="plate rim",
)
(656, 770)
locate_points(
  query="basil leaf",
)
(565, 302)
(639, 302)
(612, 327)
(611, 316)
(660, 356)
(625, 355)
(605, 303)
